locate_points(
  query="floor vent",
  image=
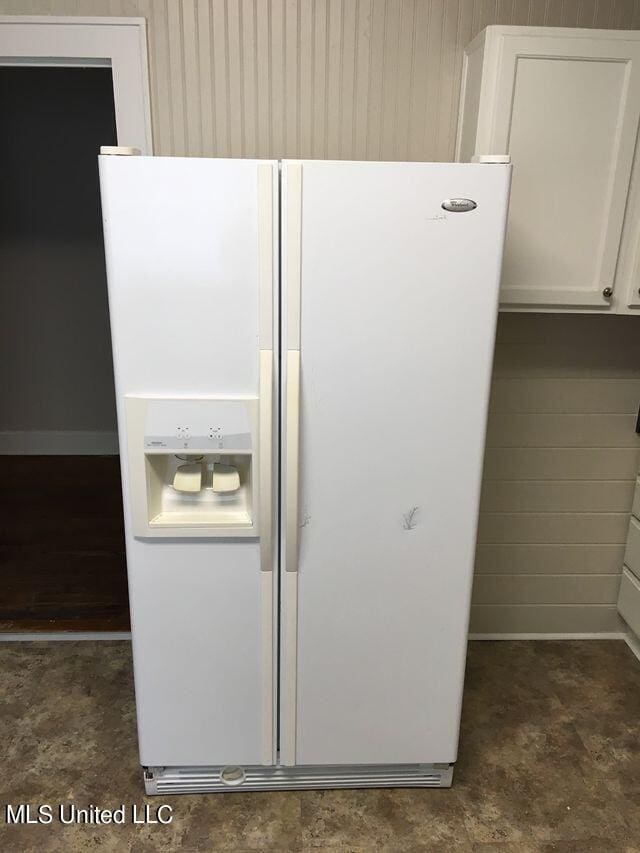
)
(193, 780)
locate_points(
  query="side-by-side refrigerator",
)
(302, 355)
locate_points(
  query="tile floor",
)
(549, 761)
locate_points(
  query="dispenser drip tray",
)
(204, 490)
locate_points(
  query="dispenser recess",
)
(193, 466)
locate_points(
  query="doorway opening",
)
(62, 559)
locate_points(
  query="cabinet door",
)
(566, 109)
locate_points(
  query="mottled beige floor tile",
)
(520, 847)
(548, 757)
(251, 821)
(587, 845)
(581, 812)
(594, 680)
(498, 816)
(349, 848)
(613, 748)
(504, 777)
(382, 817)
(435, 847)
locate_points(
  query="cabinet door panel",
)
(567, 111)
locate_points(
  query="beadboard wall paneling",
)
(564, 396)
(560, 469)
(571, 463)
(551, 619)
(340, 79)
(545, 559)
(521, 528)
(613, 496)
(575, 430)
(522, 589)
(379, 79)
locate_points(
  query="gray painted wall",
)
(55, 350)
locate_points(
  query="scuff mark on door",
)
(410, 518)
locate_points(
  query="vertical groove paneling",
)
(263, 62)
(205, 78)
(347, 97)
(191, 77)
(418, 81)
(306, 54)
(235, 85)
(379, 79)
(249, 77)
(431, 102)
(352, 79)
(177, 85)
(364, 9)
(448, 97)
(218, 48)
(291, 101)
(375, 81)
(390, 66)
(321, 24)
(277, 94)
(333, 95)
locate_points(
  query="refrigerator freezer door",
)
(190, 248)
(389, 313)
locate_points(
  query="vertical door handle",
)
(292, 458)
(288, 700)
(265, 459)
(265, 305)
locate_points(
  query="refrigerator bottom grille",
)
(194, 780)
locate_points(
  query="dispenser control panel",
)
(183, 425)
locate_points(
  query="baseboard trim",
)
(634, 644)
(58, 443)
(62, 636)
(593, 635)
(57, 636)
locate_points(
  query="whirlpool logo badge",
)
(459, 205)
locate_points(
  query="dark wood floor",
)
(62, 559)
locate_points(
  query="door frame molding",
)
(116, 43)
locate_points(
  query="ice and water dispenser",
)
(193, 466)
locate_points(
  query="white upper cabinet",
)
(565, 104)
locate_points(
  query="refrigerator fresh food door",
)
(191, 249)
(390, 292)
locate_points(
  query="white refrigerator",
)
(302, 356)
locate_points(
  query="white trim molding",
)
(118, 43)
(594, 635)
(59, 636)
(58, 443)
(633, 642)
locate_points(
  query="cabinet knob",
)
(607, 292)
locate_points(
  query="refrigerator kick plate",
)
(200, 780)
